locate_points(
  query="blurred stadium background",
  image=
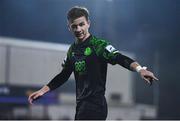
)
(34, 39)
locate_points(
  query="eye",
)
(73, 26)
(81, 24)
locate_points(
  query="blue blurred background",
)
(148, 28)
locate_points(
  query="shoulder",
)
(69, 52)
(99, 45)
(95, 41)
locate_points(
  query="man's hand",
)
(147, 76)
(38, 94)
(35, 96)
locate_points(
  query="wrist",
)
(44, 90)
(139, 68)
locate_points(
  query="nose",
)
(78, 29)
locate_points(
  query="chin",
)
(80, 38)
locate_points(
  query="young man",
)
(88, 57)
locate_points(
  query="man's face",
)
(79, 27)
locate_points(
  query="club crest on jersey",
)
(110, 48)
(87, 51)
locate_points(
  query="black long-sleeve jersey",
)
(88, 60)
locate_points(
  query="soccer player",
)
(87, 58)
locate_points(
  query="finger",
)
(147, 80)
(36, 96)
(155, 78)
(30, 97)
(30, 100)
(150, 83)
(151, 75)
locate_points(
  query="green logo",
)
(87, 51)
(80, 66)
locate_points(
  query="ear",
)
(89, 22)
(69, 28)
(68, 25)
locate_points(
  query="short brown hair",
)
(76, 12)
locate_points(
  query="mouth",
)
(78, 34)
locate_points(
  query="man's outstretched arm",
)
(113, 56)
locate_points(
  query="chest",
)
(83, 58)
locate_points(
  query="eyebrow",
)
(77, 24)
